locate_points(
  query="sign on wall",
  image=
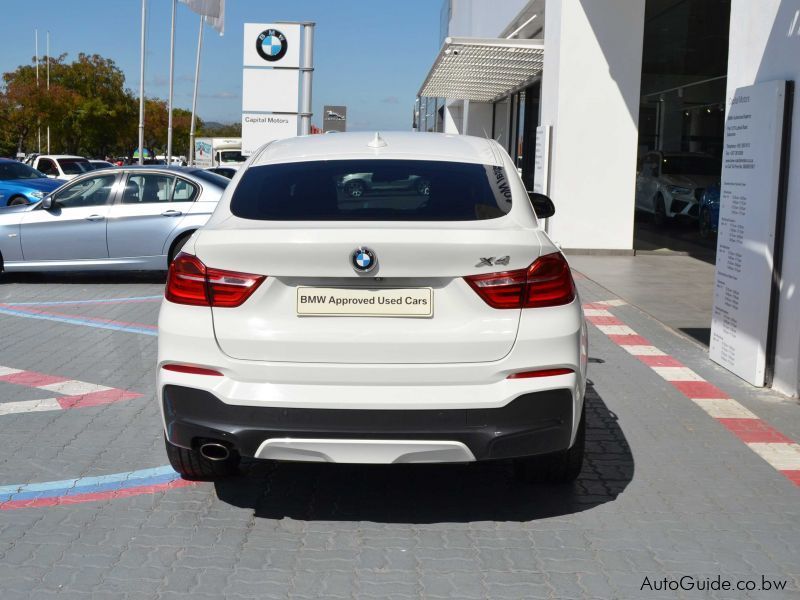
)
(270, 83)
(541, 169)
(746, 233)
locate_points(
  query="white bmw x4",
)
(407, 324)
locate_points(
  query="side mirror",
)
(542, 205)
(47, 203)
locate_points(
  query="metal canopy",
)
(482, 69)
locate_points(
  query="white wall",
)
(480, 119)
(590, 95)
(765, 46)
(453, 116)
(479, 18)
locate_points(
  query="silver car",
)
(132, 218)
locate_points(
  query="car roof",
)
(389, 145)
(61, 156)
(176, 168)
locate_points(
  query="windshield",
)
(75, 166)
(372, 190)
(690, 165)
(234, 156)
(17, 170)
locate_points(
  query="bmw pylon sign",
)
(271, 45)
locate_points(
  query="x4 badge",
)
(492, 261)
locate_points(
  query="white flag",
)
(213, 10)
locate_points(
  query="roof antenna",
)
(377, 141)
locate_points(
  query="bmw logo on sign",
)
(271, 45)
(363, 259)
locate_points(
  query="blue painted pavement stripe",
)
(78, 321)
(67, 484)
(91, 489)
(97, 301)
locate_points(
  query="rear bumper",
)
(533, 423)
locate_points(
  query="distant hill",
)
(216, 129)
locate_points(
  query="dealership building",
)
(642, 119)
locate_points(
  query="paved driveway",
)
(674, 484)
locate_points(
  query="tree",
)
(88, 109)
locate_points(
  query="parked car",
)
(356, 185)
(301, 325)
(670, 184)
(709, 211)
(101, 164)
(228, 172)
(120, 218)
(22, 184)
(61, 166)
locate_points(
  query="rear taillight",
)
(191, 282)
(547, 282)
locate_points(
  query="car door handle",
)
(171, 213)
(95, 218)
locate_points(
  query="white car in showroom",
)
(671, 184)
(303, 324)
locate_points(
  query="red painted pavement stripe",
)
(96, 398)
(754, 431)
(699, 389)
(660, 361)
(96, 496)
(32, 379)
(629, 340)
(604, 320)
(749, 431)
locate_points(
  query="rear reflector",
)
(192, 370)
(191, 282)
(540, 373)
(547, 282)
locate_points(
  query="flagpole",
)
(141, 87)
(171, 84)
(194, 94)
(48, 89)
(38, 123)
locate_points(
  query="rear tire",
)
(17, 200)
(558, 467)
(354, 189)
(193, 465)
(705, 223)
(660, 218)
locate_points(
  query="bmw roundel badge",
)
(363, 259)
(271, 45)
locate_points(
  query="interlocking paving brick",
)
(665, 489)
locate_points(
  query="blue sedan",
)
(21, 184)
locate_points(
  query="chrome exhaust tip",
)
(215, 452)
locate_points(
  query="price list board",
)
(746, 233)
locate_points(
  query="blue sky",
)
(371, 55)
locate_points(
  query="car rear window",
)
(74, 166)
(372, 190)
